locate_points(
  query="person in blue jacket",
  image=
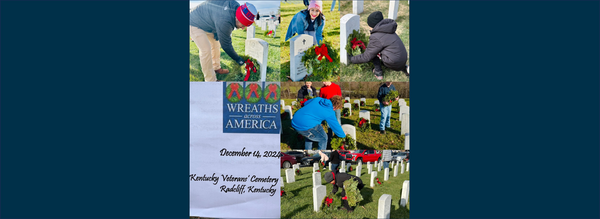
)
(310, 21)
(307, 120)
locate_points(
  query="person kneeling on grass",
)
(211, 24)
(307, 121)
(309, 21)
(384, 42)
(338, 179)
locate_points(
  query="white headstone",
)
(250, 31)
(393, 11)
(402, 168)
(402, 102)
(357, 101)
(347, 98)
(298, 45)
(369, 167)
(365, 114)
(384, 205)
(405, 126)
(282, 103)
(407, 141)
(319, 193)
(363, 100)
(396, 171)
(315, 167)
(349, 106)
(281, 180)
(289, 110)
(386, 175)
(403, 110)
(289, 176)
(379, 166)
(343, 167)
(407, 166)
(357, 7)
(293, 103)
(316, 179)
(329, 166)
(348, 23)
(259, 50)
(358, 170)
(405, 193)
(376, 102)
(350, 130)
(373, 175)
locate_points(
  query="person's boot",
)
(222, 71)
(346, 207)
(382, 132)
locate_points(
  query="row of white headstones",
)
(349, 22)
(403, 116)
(319, 190)
(258, 48)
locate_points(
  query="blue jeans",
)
(334, 167)
(386, 164)
(386, 114)
(333, 5)
(315, 134)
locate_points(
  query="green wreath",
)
(391, 96)
(323, 70)
(352, 192)
(346, 112)
(258, 93)
(358, 36)
(254, 76)
(234, 98)
(361, 126)
(270, 99)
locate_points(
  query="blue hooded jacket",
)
(299, 24)
(313, 113)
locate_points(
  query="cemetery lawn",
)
(331, 31)
(352, 72)
(235, 71)
(298, 200)
(369, 139)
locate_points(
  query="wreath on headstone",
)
(323, 61)
(269, 33)
(362, 103)
(327, 204)
(362, 124)
(357, 44)
(250, 71)
(377, 108)
(346, 101)
(298, 172)
(346, 143)
(355, 107)
(353, 195)
(391, 96)
(346, 112)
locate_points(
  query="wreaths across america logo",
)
(251, 107)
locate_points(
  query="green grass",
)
(351, 72)
(369, 139)
(239, 43)
(298, 201)
(331, 32)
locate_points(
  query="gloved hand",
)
(241, 61)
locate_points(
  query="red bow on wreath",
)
(270, 32)
(328, 201)
(362, 122)
(350, 168)
(318, 171)
(272, 90)
(234, 88)
(345, 198)
(378, 181)
(322, 51)
(249, 67)
(253, 88)
(302, 102)
(282, 192)
(356, 43)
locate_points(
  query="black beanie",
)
(374, 18)
(328, 177)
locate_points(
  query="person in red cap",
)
(211, 24)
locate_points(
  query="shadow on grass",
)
(296, 211)
(367, 194)
(297, 191)
(400, 212)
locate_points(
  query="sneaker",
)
(378, 74)
(382, 132)
(222, 71)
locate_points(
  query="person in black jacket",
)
(338, 179)
(307, 90)
(335, 160)
(384, 42)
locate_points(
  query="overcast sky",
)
(263, 7)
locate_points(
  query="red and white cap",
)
(246, 14)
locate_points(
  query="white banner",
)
(231, 174)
